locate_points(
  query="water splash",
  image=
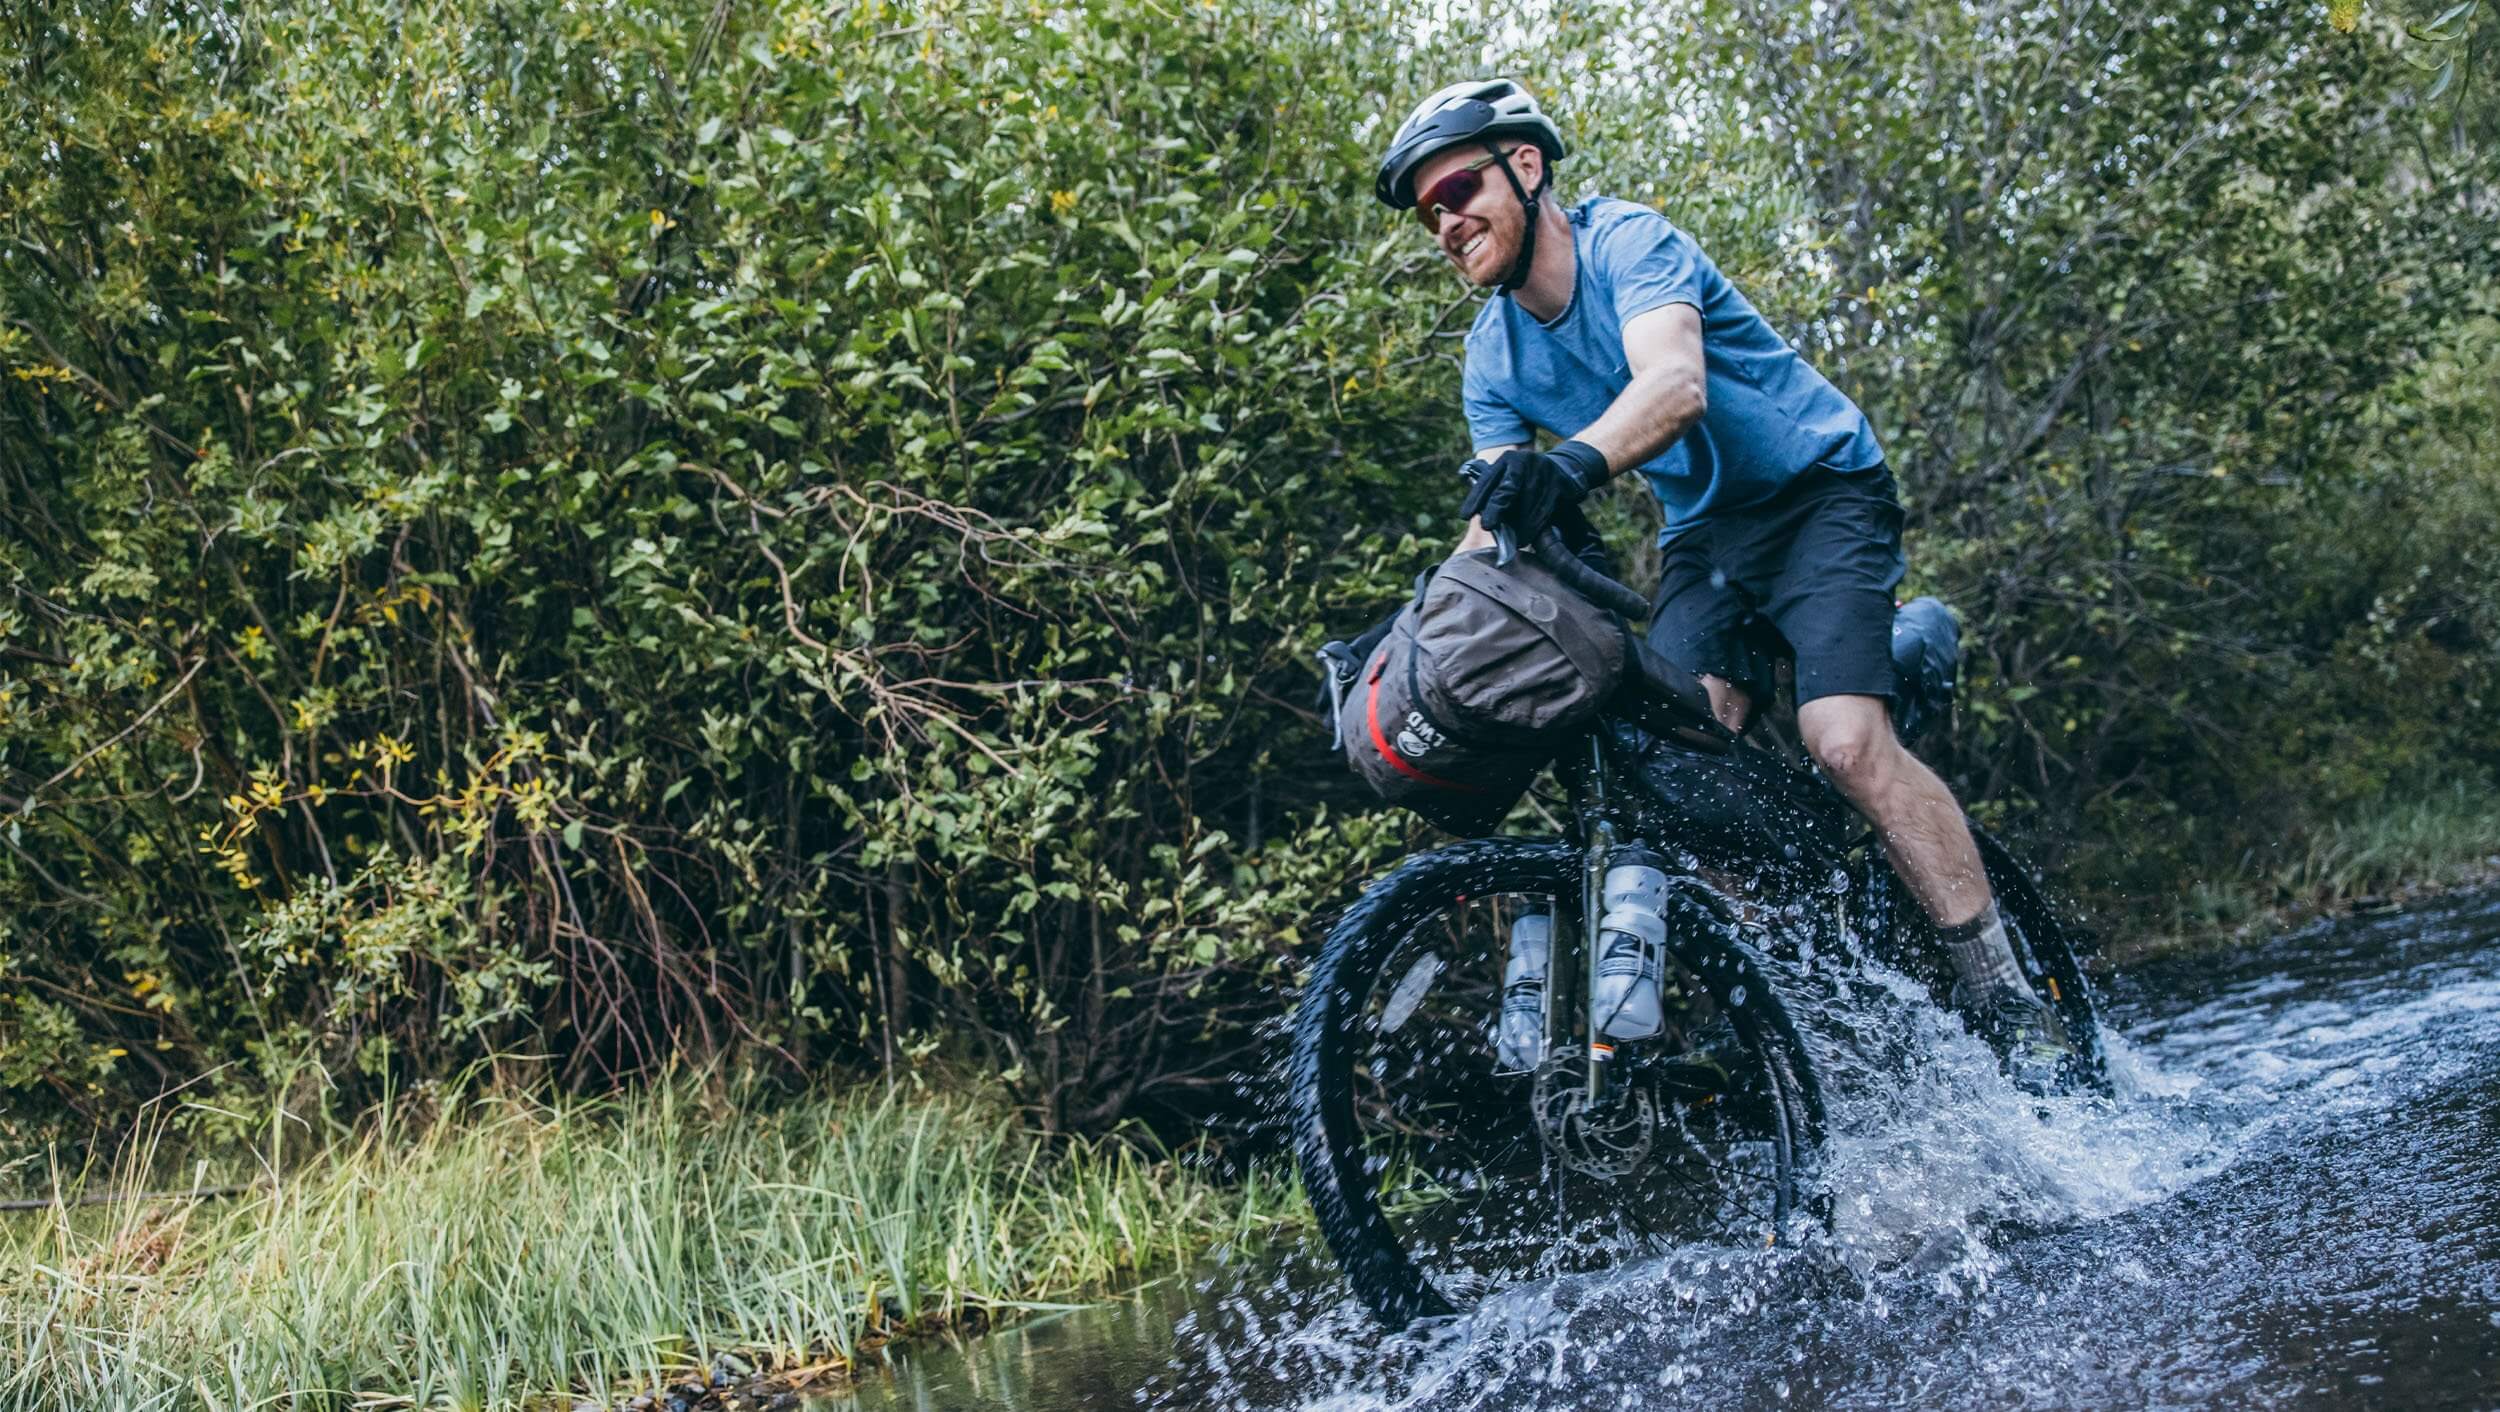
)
(1933, 1161)
(1931, 1152)
(2287, 1202)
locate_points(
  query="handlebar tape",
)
(1585, 581)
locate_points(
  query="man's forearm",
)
(1647, 416)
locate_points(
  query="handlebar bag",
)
(1480, 681)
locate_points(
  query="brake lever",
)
(1505, 541)
(1588, 582)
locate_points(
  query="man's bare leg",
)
(1930, 847)
(1922, 828)
(1929, 844)
(1728, 702)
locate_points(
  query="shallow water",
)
(2295, 1203)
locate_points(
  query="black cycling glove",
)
(1522, 489)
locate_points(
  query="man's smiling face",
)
(1481, 236)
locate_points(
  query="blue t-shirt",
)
(1770, 416)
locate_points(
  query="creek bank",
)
(735, 1384)
(2273, 919)
(504, 1253)
(2406, 848)
(758, 1380)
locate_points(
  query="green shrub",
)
(799, 532)
(573, 540)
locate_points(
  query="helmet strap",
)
(1531, 204)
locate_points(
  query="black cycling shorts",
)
(1810, 571)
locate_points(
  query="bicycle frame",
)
(1781, 797)
(1774, 819)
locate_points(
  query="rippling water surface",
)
(2295, 1203)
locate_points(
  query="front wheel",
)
(1437, 1176)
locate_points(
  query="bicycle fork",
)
(1580, 1028)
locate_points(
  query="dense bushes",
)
(2159, 321)
(533, 536)
(798, 533)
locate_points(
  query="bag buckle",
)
(1337, 664)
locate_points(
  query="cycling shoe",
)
(2031, 1043)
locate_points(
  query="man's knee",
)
(1850, 737)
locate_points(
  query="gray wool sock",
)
(1984, 958)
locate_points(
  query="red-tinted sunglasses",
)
(1454, 191)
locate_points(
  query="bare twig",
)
(118, 736)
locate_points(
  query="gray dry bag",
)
(1479, 681)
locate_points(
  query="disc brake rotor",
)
(1607, 1143)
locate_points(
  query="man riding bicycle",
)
(1613, 332)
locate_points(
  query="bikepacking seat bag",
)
(1481, 679)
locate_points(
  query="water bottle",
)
(1631, 942)
(1519, 1040)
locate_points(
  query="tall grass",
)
(2411, 838)
(511, 1252)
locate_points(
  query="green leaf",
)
(2452, 14)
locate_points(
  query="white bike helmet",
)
(1478, 111)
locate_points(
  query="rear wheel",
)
(2044, 946)
(1438, 1177)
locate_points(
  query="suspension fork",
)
(1597, 833)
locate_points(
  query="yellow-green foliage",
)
(768, 527)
